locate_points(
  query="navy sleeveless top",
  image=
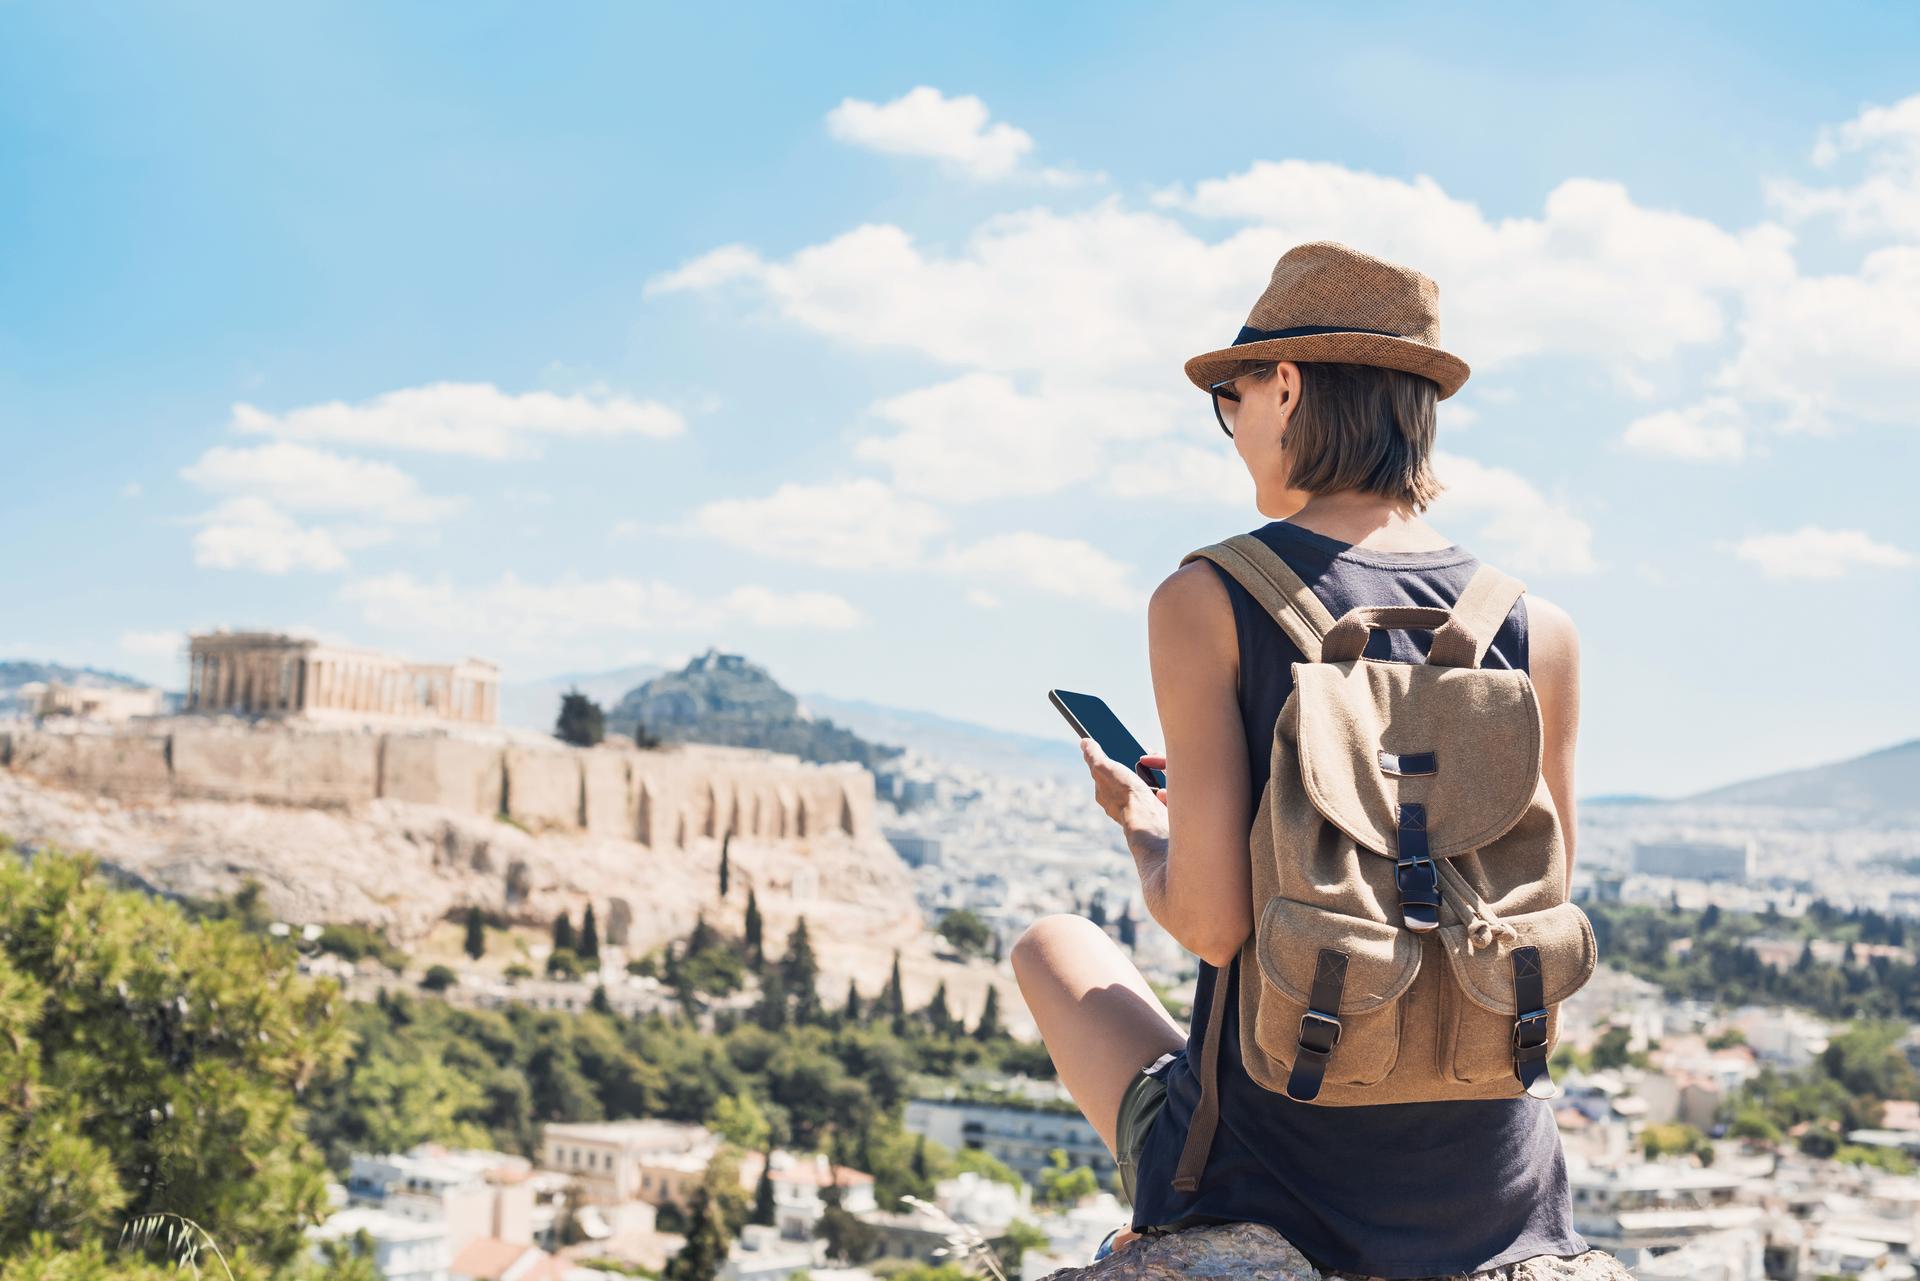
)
(1388, 1190)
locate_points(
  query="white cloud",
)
(981, 597)
(978, 436)
(1713, 430)
(526, 616)
(303, 479)
(474, 419)
(1515, 525)
(1064, 567)
(1184, 473)
(251, 533)
(1886, 200)
(1813, 552)
(853, 524)
(956, 131)
(159, 644)
(130, 490)
(1817, 349)
(1595, 275)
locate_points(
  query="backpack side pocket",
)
(1380, 963)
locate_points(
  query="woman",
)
(1329, 396)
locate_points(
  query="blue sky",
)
(849, 337)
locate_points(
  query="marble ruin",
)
(271, 674)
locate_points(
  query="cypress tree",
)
(936, 1012)
(589, 937)
(725, 841)
(476, 934)
(763, 1191)
(802, 973)
(756, 958)
(700, 1259)
(771, 1012)
(563, 933)
(895, 997)
(851, 1012)
(989, 1026)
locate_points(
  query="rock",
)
(1227, 1251)
(1255, 1252)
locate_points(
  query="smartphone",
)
(1092, 718)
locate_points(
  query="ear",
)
(1287, 375)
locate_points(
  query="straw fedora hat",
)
(1328, 301)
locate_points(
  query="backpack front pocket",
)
(1477, 1027)
(1377, 962)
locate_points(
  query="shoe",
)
(1106, 1246)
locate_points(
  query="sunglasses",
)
(1223, 391)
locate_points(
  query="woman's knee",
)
(1048, 935)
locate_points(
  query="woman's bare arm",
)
(1205, 898)
(1553, 661)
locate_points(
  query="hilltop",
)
(726, 699)
(1887, 779)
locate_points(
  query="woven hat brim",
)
(1445, 368)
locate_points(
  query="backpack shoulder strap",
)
(1259, 569)
(1484, 605)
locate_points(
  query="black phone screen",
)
(1092, 718)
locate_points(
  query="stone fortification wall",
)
(663, 798)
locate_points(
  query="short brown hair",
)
(1362, 427)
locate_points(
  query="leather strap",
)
(1320, 1027)
(1483, 607)
(1414, 873)
(1206, 1114)
(1406, 764)
(1530, 1027)
(1269, 580)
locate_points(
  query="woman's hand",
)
(1123, 794)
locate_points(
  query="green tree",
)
(563, 933)
(988, 1028)
(476, 944)
(589, 937)
(582, 722)
(966, 931)
(739, 1119)
(801, 974)
(763, 1190)
(849, 1239)
(700, 1259)
(438, 978)
(166, 1062)
(1064, 1185)
(850, 1012)
(756, 957)
(563, 964)
(938, 1017)
(894, 998)
(725, 842)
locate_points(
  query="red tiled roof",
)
(488, 1257)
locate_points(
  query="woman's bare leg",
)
(1099, 1019)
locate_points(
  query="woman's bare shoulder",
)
(1191, 606)
(1553, 642)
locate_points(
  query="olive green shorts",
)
(1139, 1104)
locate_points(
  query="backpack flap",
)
(1509, 1020)
(1465, 743)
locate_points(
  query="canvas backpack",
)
(1413, 935)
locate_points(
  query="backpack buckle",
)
(1526, 1026)
(1419, 885)
(1318, 1023)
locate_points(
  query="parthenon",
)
(271, 674)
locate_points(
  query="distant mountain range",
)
(1888, 779)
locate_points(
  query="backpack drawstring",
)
(1483, 924)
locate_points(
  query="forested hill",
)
(723, 698)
